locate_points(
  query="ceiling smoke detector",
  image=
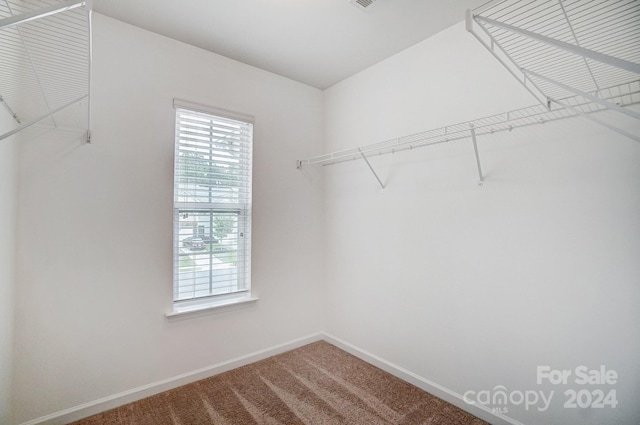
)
(362, 4)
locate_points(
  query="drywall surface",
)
(475, 288)
(8, 209)
(95, 252)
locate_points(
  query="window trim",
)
(209, 305)
(224, 113)
(211, 302)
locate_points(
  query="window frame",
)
(242, 209)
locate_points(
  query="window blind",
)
(212, 205)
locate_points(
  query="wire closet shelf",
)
(624, 95)
(560, 48)
(45, 64)
(576, 57)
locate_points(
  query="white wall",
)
(473, 287)
(8, 209)
(95, 225)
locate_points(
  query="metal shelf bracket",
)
(8, 108)
(371, 168)
(475, 150)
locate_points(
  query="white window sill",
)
(209, 306)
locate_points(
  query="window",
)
(212, 204)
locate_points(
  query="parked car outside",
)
(208, 239)
(194, 244)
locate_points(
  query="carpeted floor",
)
(314, 384)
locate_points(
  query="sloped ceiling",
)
(316, 42)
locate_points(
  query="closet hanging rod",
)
(624, 95)
(41, 13)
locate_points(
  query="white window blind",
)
(212, 205)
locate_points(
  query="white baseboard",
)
(84, 410)
(425, 384)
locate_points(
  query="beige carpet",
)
(314, 384)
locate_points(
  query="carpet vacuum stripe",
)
(315, 384)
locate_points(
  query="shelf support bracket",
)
(45, 116)
(371, 168)
(508, 63)
(571, 48)
(475, 150)
(6, 105)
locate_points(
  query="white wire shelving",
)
(623, 95)
(576, 57)
(45, 63)
(560, 48)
